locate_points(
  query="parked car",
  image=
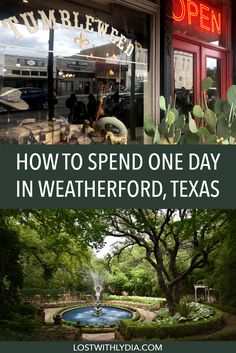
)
(120, 105)
(36, 98)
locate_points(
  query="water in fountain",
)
(97, 315)
(86, 316)
(97, 282)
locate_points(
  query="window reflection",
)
(85, 64)
(183, 76)
(213, 71)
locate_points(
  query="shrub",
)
(137, 316)
(137, 299)
(162, 313)
(20, 318)
(187, 299)
(184, 309)
(130, 329)
(185, 312)
(227, 309)
(9, 335)
(43, 292)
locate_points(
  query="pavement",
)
(49, 312)
(98, 336)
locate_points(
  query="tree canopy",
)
(176, 241)
(154, 250)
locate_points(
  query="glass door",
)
(193, 63)
(186, 69)
(214, 65)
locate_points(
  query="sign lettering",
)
(62, 19)
(198, 15)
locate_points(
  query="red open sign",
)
(200, 16)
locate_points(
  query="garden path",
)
(147, 315)
(110, 336)
(49, 314)
(228, 329)
(231, 322)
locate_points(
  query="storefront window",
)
(102, 49)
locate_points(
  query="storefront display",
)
(112, 50)
(101, 49)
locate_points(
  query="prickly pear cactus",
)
(219, 125)
(202, 126)
(169, 131)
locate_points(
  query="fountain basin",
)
(110, 315)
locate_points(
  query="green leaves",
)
(162, 103)
(170, 118)
(233, 128)
(211, 118)
(219, 123)
(177, 136)
(163, 128)
(231, 95)
(192, 125)
(180, 122)
(157, 137)
(221, 106)
(204, 135)
(212, 140)
(223, 130)
(149, 126)
(198, 112)
(206, 84)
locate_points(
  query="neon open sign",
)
(198, 15)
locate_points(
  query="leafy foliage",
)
(138, 299)
(186, 312)
(175, 242)
(11, 277)
(129, 272)
(19, 318)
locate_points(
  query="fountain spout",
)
(98, 293)
(97, 309)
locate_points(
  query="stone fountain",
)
(98, 309)
(97, 315)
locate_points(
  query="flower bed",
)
(187, 312)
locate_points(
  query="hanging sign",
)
(62, 19)
(196, 17)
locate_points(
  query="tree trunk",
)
(169, 294)
(171, 305)
(176, 293)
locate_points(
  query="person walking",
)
(71, 103)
